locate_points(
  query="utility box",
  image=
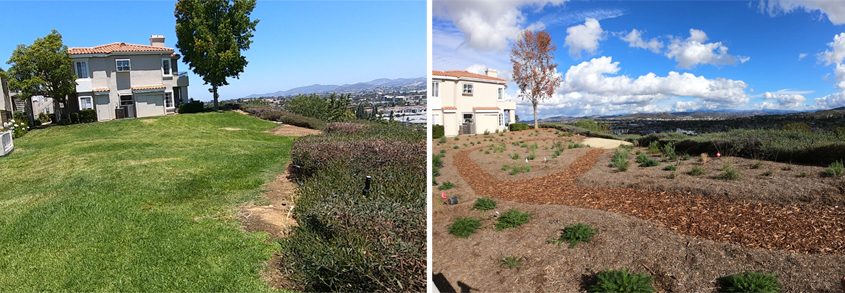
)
(6, 143)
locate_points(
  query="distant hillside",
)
(707, 114)
(385, 84)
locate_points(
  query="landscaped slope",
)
(137, 205)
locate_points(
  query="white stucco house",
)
(120, 80)
(470, 103)
(6, 104)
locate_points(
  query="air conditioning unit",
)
(6, 143)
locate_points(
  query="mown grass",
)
(137, 205)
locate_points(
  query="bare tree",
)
(534, 68)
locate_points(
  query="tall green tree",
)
(211, 35)
(43, 68)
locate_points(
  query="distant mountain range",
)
(385, 84)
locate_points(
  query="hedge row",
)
(350, 241)
(271, 114)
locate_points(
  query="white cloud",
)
(801, 56)
(450, 53)
(833, 9)
(489, 24)
(594, 87)
(695, 50)
(584, 37)
(782, 99)
(635, 40)
(834, 100)
(835, 56)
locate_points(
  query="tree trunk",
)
(535, 115)
(216, 96)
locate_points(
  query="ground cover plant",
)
(484, 204)
(137, 205)
(354, 239)
(464, 226)
(749, 282)
(512, 218)
(510, 262)
(621, 281)
(835, 169)
(620, 159)
(575, 234)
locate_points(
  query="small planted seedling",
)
(464, 226)
(446, 185)
(510, 262)
(484, 204)
(729, 173)
(751, 282)
(696, 171)
(514, 156)
(835, 169)
(620, 160)
(512, 218)
(645, 161)
(670, 168)
(574, 234)
(621, 281)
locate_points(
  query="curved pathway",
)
(818, 229)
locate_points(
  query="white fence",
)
(6, 143)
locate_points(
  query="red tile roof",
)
(465, 74)
(101, 89)
(118, 47)
(148, 87)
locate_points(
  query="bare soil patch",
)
(685, 241)
(604, 143)
(290, 130)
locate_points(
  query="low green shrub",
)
(729, 172)
(191, 107)
(654, 147)
(510, 262)
(446, 185)
(645, 161)
(512, 218)
(465, 226)
(696, 171)
(437, 131)
(518, 126)
(484, 204)
(312, 153)
(345, 128)
(576, 233)
(670, 168)
(749, 282)
(620, 160)
(668, 151)
(514, 170)
(835, 169)
(621, 281)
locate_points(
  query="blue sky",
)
(684, 55)
(296, 43)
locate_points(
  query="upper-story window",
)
(467, 89)
(435, 89)
(165, 67)
(501, 93)
(123, 65)
(81, 69)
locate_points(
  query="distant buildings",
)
(470, 103)
(120, 80)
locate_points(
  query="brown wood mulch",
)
(819, 229)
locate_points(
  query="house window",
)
(165, 67)
(168, 100)
(435, 89)
(86, 103)
(501, 120)
(123, 65)
(81, 69)
(467, 89)
(501, 93)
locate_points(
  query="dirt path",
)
(604, 143)
(770, 226)
(287, 129)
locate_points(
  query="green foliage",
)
(645, 161)
(696, 171)
(592, 125)
(518, 126)
(43, 68)
(191, 107)
(576, 233)
(484, 204)
(514, 156)
(670, 168)
(621, 281)
(87, 116)
(446, 185)
(348, 240)
(749, 282)
(531, 155)
(654, 147)
(514, 170)
(668, 151)
(286, 117)
(334, 108)
(835, 169)
(797, 126)
(575, 145)
(211, 35)
(620, 159)
(442, 140)
(510, 262)
(512, 218)
(464, 226)
(44, 118)
(729, 172)
(437, 131)
(757, 165)
(18, 125)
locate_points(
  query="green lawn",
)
(137, 205)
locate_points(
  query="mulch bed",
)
(790, 227)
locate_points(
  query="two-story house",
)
(121, 80)
(470, 103)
